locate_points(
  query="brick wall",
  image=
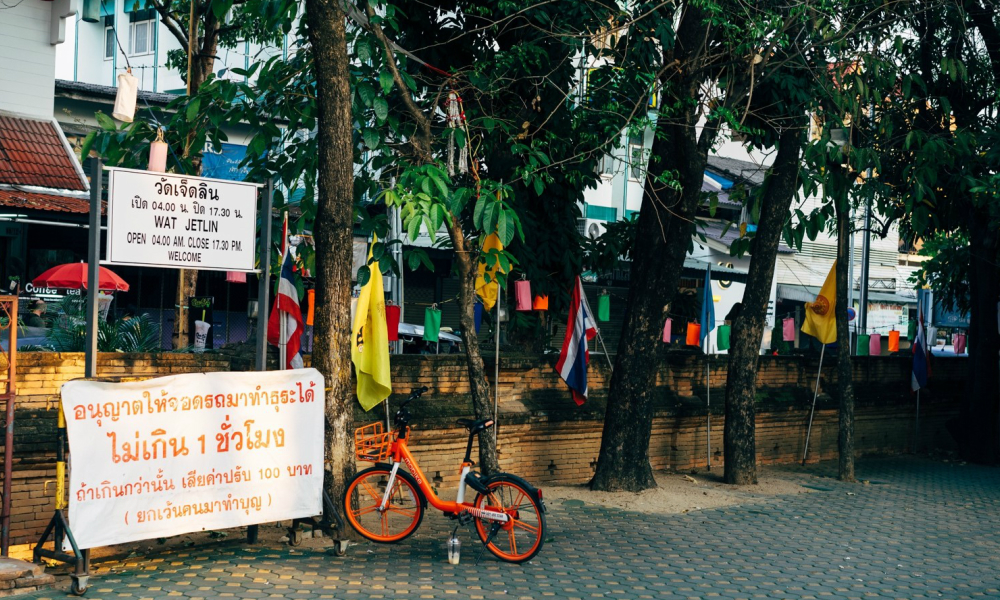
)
(543, 435)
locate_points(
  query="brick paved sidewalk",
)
(921, 529)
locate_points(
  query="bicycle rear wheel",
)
(522, 537)
(403, 512)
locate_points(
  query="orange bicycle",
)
(386, 504)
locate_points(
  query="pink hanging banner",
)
(875, 345)
(236, 277)
(788, 330)
(522, 295)
(666, 332)
(960, 340)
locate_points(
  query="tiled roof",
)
(740, 171)
(32, 152)
(46, 202)
(80, 89)
(713, 230)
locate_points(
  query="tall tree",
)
(334, 229)
(704, 71)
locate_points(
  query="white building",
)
(127, 36)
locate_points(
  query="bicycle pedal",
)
(464, 518)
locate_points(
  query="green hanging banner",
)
(864, 340)
(722, 339)
(911, 330)
(432, 324)
(604, 307)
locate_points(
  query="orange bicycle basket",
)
(372, 443)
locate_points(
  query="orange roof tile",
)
(32, 153)
(46, 202)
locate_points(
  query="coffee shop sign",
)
(31, 288)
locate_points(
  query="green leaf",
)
(413, 260)
(367, 93)
(363, 50)
(88, 142)
(192, 109)
(385, 79)
(477, 214)
(371, 137)
(490, 217)
(505, 228)
(539, 186)
(489, 124)
(381, 108)
(105, 122)
(413, 227)
(364, 274)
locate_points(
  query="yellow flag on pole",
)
(370, 341)
(487, 291)
(821, 321)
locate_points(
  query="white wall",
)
(27, 59)
(81, 58)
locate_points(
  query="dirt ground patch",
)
(681, 493)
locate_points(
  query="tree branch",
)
(171, 22)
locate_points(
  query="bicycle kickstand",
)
(494, 529)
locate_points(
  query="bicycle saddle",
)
(475, 426)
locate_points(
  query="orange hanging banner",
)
(893, 341)
(310, 306)
(541, 303)
(693, 334)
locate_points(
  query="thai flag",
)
(919, 377)
(572, 364)
(286, 306)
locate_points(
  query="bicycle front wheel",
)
(402, 514)
(521, 537)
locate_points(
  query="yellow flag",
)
(821, 321)
(488, 291)
(370, 342)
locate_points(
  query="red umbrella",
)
(73, 276)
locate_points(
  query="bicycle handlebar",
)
(402, 416)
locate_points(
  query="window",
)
(142, 29)
(109, 37)
(637, 162)
(606, 165)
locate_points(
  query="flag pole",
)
(812, 411)
(708, 404)
(496, 376)
(600, 337)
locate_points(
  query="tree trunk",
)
(334, 237)
(845, 375)
(664, 229)
(979, 440)
(482, 403)
(748, 328)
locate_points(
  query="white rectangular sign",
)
(192, 452)
(167, 220)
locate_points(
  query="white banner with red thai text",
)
(193, 452)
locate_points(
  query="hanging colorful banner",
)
(864, 344)
(693, 337)
(432, 324)
(604, 307)
(722, 339)
(194, 452)
(666, 331)
(893, 341)
(392, 322)
(875, 345)
(788, 330)
(477, 315)
(540, 303)
(959, 343)
(522, 295)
